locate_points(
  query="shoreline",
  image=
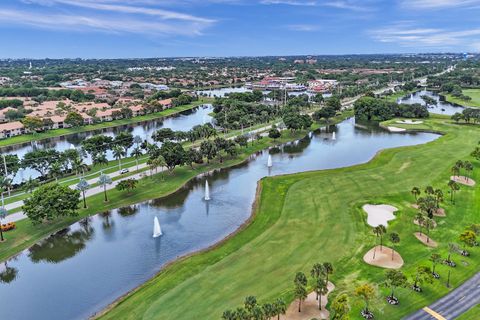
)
(55, 133)
(247, 223)
(226, 164)
(243, 226)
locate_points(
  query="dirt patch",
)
(382, 257)
(426, 241)
(309, 308)
(463, 180)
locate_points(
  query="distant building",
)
(11, 129)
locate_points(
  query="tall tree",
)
(416, 192)
(83, 186)
(51, 201)
(103, 180)
(394, 239)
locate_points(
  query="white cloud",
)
(114, 16)
(409, 35)
(71, 22)
(120, 7)
(439, 4)
(353, 5)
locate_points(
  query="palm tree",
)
(438, 197)
(316, 272)
(56, 170)
(420, 218)
(416, 192)
(394, 239)
(455, 171)
(327, 269)
(268, 310)
(78, 165)
(460, 165)
(83, 186)
(118, 153)
(300, 282)
(379, 232)
(435, 258)
(429, 190)
(280, 307)
(100, 159)
(321, 288)
(453, 187)
(468, 168)
(136, 152)
(6, 183)
(429, 224)
(103, 180)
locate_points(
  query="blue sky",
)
(166, 28)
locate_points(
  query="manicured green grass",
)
(110, 124)
(472, 93)
(471, 314)
(313, 217)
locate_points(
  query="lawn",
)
(110, 124)
(472, 93)
(313, 217)
(471, 314)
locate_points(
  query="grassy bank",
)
(103, 125)
(472, 93)
(148, 188)
(315, 217)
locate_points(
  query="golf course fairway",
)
(311, 217)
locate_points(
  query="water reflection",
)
(181, 121)
(119, 247)
(442, 107)
(128, 211)
(7, 273)
(62, 245)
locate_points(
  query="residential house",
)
(11, 129)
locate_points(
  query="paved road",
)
(90, 192)
(453, 304)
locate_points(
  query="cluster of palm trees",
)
(251, 310)
(379, 232)
(429, 204)
(319, 274)
(460, 165)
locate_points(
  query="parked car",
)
(123, 171)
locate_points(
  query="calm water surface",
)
(442, 107)
(83, 268)
(182, 121)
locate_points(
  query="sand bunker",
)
(409, 122)
(309, 308)
(463, 180)
(423, 238)
(379, 214)
(396, 129)
(383, 258)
